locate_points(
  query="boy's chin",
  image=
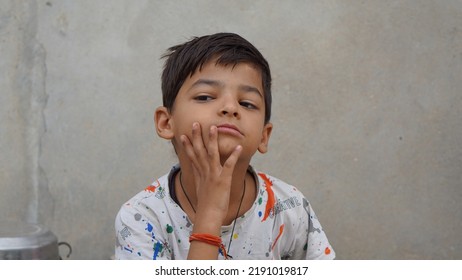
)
(225, 151)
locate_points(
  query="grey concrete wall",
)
(367, 113)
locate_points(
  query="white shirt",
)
(281, 224)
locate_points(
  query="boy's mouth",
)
(229, 129)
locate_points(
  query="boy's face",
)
(230, 98)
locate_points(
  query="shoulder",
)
(298, 224)
(278, 187)
(279, 198)
(142, 223)
(154, 193)
(149, 206)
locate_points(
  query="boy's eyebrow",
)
(207, 82)
(215, 83)
(247, 88)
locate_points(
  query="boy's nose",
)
(229, 112)
(230, 108)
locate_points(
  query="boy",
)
(213, 204)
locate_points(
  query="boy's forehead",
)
(214, 69)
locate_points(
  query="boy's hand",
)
(212, 179)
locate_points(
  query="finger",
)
(197, 140)
(230, 163)
(212, 146)
(188, 148)
(199, 147)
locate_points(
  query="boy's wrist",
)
(207, 223)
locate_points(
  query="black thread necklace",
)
(237, 213)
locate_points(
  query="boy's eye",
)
(247, 105)
(203, 98)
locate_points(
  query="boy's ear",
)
(263, 147)
(162, 120)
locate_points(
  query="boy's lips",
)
(229, 128)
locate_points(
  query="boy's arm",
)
(213, 188)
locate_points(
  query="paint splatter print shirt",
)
(280, 225)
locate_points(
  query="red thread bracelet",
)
(209, 239)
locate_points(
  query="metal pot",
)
(22, 241)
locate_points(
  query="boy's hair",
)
(227, 48)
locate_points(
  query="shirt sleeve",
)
(317, 246)
(138, 237)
